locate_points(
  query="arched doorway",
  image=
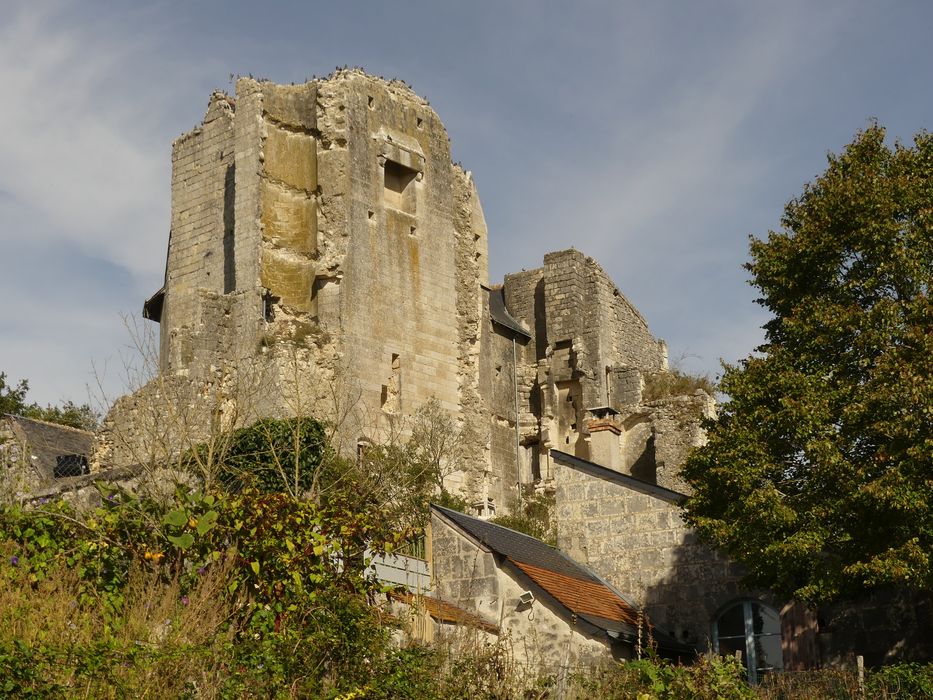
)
(754, 629)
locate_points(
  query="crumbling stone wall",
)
(201, 228)
(589, 348)
(18, 476)
(328, 217)
(322, 236)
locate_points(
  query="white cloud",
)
(74, 150)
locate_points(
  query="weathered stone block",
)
(294, 105)
(289, 218)
(291, 158)
(287, 277)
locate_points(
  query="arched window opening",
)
(754, 629)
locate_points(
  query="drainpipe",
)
(518, 445)
(608, 397)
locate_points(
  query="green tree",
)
(276, 455)
(12, 398)
(13, 401)
(818, 475)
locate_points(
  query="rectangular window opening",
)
(399, 186)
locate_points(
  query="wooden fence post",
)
(860, 665)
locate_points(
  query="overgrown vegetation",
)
(258, 584)
(674, 382)
(656, 679)
(261, 594)
(257, 592)
(533, 515)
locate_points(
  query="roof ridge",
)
(89, 433)
(528, 557)
(489, 522)
(598, 470)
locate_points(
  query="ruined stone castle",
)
(328, 217)
(327, 258)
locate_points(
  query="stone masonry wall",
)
(328, 217)
(473, 315)
(641, 545)
(201, 228)
(463, 573)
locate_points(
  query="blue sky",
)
(653, 136)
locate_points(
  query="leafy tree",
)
(69, 413)
(398, 479)
(13, 400)
(818, 475)
(533, 515)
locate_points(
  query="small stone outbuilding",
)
(557, 612)
(36, 454)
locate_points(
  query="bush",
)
(272, 588)
(710, 677)
(901, 681)
(664, 384)
(533, 516)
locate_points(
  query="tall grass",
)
(160, 644)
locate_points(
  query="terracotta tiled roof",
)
(573, 586)
(582, 597)
(568, 582)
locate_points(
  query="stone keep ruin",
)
(323, 245)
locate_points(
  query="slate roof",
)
(152, 307)
(572, 585)
(518, 546)
(500, 314)
(49, 441)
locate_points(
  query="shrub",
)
(710, 677)
(533, 516)
(664, 384)
(901, 681)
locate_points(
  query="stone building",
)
(321, 237)
(560, 612)
(34, 455)
(326, 257)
